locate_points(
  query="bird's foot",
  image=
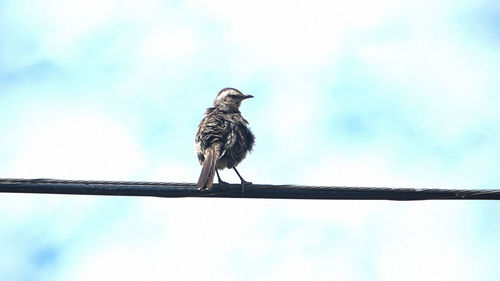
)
(223, 185)
(243, 184)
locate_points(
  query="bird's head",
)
(229, 99)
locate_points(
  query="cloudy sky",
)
(356, 93)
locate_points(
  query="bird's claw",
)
(243, 184)
(223, 185)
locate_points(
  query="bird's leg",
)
(221, 182)
(243, 182)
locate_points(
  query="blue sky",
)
(355, 93)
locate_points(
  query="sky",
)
(347, 93)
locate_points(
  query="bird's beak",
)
(248, 96)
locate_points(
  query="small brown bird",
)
(223, 137)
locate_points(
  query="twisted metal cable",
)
(166, 189)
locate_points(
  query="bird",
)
(223, 138)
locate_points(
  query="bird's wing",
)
(230, 138)
(212, 133)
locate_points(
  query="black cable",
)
(163, 189)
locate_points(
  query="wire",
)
(164, 189)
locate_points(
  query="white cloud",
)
(430, 243)
(166, 42)
(445, 86)
(73, 142)
(175, 172)
(295, 33)
(178, 239)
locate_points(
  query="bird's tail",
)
(208, 171)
